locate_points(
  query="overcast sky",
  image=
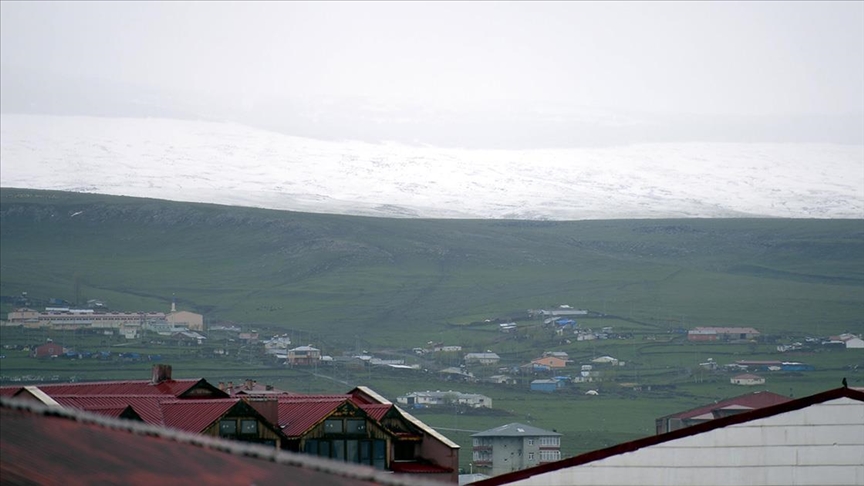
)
(696, 58)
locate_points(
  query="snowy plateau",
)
(231, 164)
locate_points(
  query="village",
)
(548, 371)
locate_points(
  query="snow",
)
(227, 163)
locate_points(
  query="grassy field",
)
(388, 285)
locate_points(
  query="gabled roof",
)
(195, 415)
(376, 410)
(176, 388)
(297, 415)
(835, 394)
(516, 430)
(147, 407)
(758, 399)
(53, 446)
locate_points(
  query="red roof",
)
(195, 415)
(146, 406)
(758, 399)
(44, 445)
(131, 387)
(297, 415)
(376, 411)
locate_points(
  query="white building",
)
(813, 441)
(747, 380)
(442, 398)
(487, 358)
(513, 447)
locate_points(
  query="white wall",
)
(820, 445)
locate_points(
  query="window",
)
(530, 441)
(355, 426)
(227, 427)
(249, 427)
(333, 426)
(530, 456)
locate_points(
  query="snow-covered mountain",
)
(232, 164)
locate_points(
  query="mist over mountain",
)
(233, 164)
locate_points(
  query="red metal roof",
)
(42, 445)
(758, 399)
(195, 415)
(297, 415)
(375, 410)
(146, 406)
(130, 387)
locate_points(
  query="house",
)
(546, 386)
(47, 445)
(722, 334)
(606, 360)
(747, 380)
(363, 427)
(513, 447)
(485, 359)
(48, 350)
(448, 398)
(850, 341)
(557, 354)
(454, 373)
(816, 440)
(722, 408)
(501, 380)
(551, 362)
(357, 427)
(304, 356)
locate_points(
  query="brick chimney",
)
(161, 372)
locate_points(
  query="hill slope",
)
(388, 278)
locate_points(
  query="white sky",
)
(742, 58)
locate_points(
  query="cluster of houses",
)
(359, 427)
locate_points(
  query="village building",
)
(359, 427)
(444, 398)
(747, 380)
(813, 441)
(546, 386)
(513, 447)
(486, 359)
(722, 408)
(48, 350)
(850, 341)
(550, 362)
(722, 334)
(303, 356)
(48, 445)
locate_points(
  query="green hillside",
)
(389, 285)
(387, 278)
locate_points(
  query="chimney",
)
(161, 372)
(222, 385)
(268, 387)
(230, 388)
(248, 384)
